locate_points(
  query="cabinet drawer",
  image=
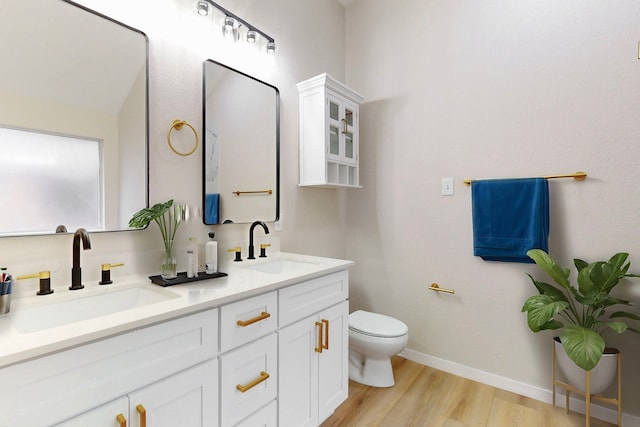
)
(50, 389)
(265, 417)
(302, 300)
(246, 320)
(247, 368)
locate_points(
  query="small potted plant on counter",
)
(582, 314)
(168, 217)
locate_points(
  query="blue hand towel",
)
(211, 208)
(510, 216)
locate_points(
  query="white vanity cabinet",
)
(313, 350)
(179, 400)
(163, 367)
(274, 359)
(329, 133)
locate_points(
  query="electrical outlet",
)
(277, 226)
(447, 187)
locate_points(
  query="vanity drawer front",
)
(53, 388)
(306, 298)
(264, 417)
(253, 368)
(246, 320)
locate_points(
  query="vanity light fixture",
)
(232, 24)
(202, 7)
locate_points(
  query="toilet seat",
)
(376, 325)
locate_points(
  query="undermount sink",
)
(63, 312)
(281, 266)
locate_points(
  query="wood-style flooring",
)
(427, 397)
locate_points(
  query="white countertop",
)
(241, 282)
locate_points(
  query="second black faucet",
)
(266, 231)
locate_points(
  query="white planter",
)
(601, 376)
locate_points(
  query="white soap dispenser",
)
(211, 255)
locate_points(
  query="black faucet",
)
(266, 231)
(76, 271)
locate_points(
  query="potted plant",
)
(168, 217)
(583, 313)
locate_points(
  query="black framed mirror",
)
(73, 98)
(241, 155)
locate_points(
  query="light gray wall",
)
(481, 89)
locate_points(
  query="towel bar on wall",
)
(578, 176)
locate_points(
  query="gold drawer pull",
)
(319, 348)
(143, 415)
(121, 420)
(326, 334)
(262, 316)
(244, 388)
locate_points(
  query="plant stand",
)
(617, 401)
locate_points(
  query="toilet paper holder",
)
(437, 288)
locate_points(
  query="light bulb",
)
(202, 7)
(271, 47)
(229, 23)
(252, 36)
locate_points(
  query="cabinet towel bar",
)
(578, 176)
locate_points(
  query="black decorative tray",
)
(182, 278)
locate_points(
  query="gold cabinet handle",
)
(319, 348)
(143, 415)
(263, 315)
(122, 421)
(344, 126)
(244, 388)
(326, 334)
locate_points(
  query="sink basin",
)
(281, 266)
(58, 313)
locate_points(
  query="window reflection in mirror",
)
(241, 147)
(69, 71)
(43, 175)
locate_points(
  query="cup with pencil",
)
(6, 282)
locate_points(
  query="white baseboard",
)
(544, 395)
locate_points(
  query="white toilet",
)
(373, 339)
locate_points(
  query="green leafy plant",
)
(583, 312)
(168, 217)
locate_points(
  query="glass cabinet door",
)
(335, 128)
(350, 149)
(342, 145)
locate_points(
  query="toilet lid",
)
(375, 324)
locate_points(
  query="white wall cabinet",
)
(313, 351)
(329, 133)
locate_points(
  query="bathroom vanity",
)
(267, 343)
